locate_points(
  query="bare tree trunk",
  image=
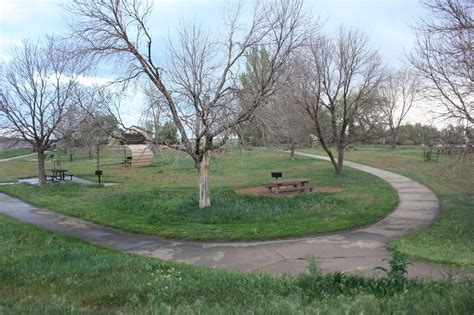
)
(325, 147)
(394, 139)
(41, 169)
(292, 151)
(204, 180)
(467, 147)
(240, 142)
(340, 160)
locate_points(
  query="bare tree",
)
(199, 85)
(155, 115)
(67, 128)
(37, 90)
(101, 107)
(444, 57)
(286, 123)
(338, 79)
(279, 121)
(398, 92)
(95, 130)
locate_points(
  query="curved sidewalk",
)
(18, 157)
(359, 250)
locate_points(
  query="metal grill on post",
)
(277, 175)
(98, 173)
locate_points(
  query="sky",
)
(385, 22)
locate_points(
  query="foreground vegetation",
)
(450, 239)
(71, 276)
(162, 199)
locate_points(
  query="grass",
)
(450, 239)
(162, 199)
(68, 276)
(4, 154)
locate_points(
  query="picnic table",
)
(127, 162)
(59, 174)
(288, 185)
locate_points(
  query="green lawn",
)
(14, 152)
(450, 239)
(162, 199)
(45, 273)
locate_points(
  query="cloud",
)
(7, 42)
(87, 81)
(93, 80)
(13, 11)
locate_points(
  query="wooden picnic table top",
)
(292, 181)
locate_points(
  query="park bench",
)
(289, 185)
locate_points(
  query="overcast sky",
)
(385, 22)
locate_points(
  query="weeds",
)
(395, 279)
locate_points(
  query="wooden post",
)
(98, 157)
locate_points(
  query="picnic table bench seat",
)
(288, 182)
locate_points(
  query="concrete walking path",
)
(75, 179)
(358, 250)
(17, 157)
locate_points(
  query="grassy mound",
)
(162, 199)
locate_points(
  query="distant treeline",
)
(415, 134)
